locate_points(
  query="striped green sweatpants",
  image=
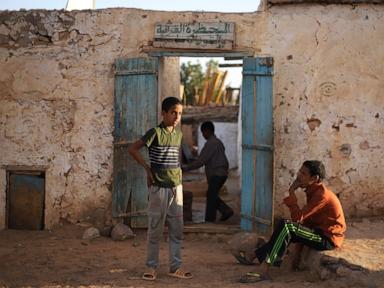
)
(286, 232)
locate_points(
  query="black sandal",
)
(243, 260)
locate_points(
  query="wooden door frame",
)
(238, 55)
(231, 55)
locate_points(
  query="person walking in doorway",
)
(213, 157)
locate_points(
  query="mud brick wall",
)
(57, 81)
(328, 98)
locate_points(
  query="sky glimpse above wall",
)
(167, 5)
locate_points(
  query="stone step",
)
(359, 263)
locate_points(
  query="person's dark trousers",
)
(286, 232)
(214, 202)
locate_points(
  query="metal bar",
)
(134, 214)
(134, 72)
(257, 147)
(123, 143)
(256, 219)
(231, 65)
(253, 73)
(233, 58)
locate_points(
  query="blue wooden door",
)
(25, 200)
(136, 102)
(257, 145)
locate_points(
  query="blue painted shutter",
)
(25, 199)
(136, 101)
(257, 145)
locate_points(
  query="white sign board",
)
(220, 35)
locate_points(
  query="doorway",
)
(210, 89)
(256, 200)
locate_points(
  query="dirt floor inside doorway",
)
(196, 183)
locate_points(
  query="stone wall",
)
(57, 81)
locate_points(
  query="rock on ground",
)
(91, 233)
(121, 232)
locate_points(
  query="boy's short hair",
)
(208, 125)
(169, 102)
(315, 168)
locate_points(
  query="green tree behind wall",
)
(192, 77)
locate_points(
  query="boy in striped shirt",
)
(165, 188)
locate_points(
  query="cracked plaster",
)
(57, 81)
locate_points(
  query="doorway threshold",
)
(211, 228)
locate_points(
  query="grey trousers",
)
(165, 205)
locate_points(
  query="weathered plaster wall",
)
(169, 77)
(56, 96)
(57, 81)
(329, 98)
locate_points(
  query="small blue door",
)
(257, 146)
(25, 200)
(136, 102)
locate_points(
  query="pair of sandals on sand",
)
(150, 275)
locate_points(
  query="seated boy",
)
(320, 224)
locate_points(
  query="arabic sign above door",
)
(201, 35)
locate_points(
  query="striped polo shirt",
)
(164, 149)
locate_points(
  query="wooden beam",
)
(205, 86)
(211, 88)
(233, 54)
(198, 114)
(221, 88)
(13, 168)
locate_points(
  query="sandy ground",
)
(61, 258)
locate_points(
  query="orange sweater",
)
(323, 210)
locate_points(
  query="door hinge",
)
(258, 147)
